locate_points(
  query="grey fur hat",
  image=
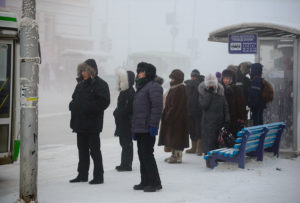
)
(211, 80)
(245, 67)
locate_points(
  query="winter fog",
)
(120, 33)
(170, 34)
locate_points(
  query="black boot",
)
(123, 168)
(97, 180)
(140, 186)
(79, 178)
(152, 188)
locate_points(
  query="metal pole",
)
(29, 71)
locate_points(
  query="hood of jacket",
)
(89, 66)
(122, 80)
(125, 79)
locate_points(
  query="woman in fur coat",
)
(123, 115)
(174, 131)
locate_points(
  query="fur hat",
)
(256, 69)
(148, 68)
(245, 67)
(230, 74)
(211, 80)
(177, 75)
(89, 66)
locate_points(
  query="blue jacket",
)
(147, 107)
(254, 98)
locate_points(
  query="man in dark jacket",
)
(255, 102)
(242, 80)
(147, 111)
(123, 115)
(195, 111)
(89, 100)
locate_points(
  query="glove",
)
(133, 137)
(210, 89)
(153, 131)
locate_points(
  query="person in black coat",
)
(235, 100)
(242, 80)
(147, 111)
(195, 111)
(123, 115)
(255, 102)
(89, 100)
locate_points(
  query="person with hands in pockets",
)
(147, 111)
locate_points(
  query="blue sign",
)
(242, 43)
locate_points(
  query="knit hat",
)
(177, 75)
(256, 69)
(195, 73)
(218, 75)
(211, 80)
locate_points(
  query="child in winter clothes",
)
(123, 114)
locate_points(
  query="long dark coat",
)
(195, 110)
(174, 130)
(243, 82)
(89, 100)
(215, 115)
(237, 107)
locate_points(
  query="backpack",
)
(267, 93)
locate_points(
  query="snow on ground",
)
(274, 180)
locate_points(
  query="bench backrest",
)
(252, 136)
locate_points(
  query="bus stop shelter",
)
(278, 50)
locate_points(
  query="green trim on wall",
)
(8, 19)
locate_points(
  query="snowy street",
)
(273, 180)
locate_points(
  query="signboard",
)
(242, 43)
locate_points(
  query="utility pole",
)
(29, 73)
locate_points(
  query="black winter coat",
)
(254, 99)
(243, 82)
(193, 95)
(89, 100)
(123, 112)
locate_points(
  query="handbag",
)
(225, 138)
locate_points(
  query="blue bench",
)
(251, 141)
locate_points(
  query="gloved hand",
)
(153, 131)
(133, 136)
(210, 89)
